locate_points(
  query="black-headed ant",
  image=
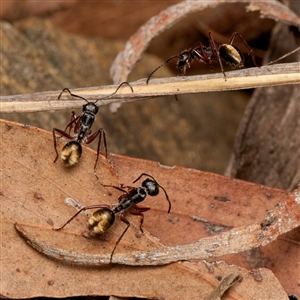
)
(215, 52)
(103, 218)
(81, 126)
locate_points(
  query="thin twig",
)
(239, 79)
(283, 218)
(227, 282)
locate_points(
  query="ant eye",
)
(84, 107)
(71, 153)
(101, 220)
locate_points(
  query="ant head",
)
(71, 153)
(231, 55)
(183, 62)
(101, 220)
(90, 107)
(151, 186)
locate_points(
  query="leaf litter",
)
(190, 191)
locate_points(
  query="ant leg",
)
(55, 145)
(79, 211)
(134, 210)
(201, 55)
(99, 132)
(74, 123)
(130, 188)
(123, 219)
(215, 52)
(138, 211)
(246, 45)
(77, 124)
(63, 133)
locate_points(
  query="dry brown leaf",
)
(33, 193)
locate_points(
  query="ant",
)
(103, 218)
(81, 125)
(209, 54)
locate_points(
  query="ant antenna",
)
(144, 174)
(107, 96)
(167, 197)
(282, 57)
(168, 60)
(66, 89)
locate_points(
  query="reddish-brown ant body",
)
(81, 126)
(215, 52)
(103, 218)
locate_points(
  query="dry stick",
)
(227, 282)
(283, 218)
(239, 79)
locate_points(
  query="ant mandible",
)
(209, 54)
(81, 126)
(103, 218)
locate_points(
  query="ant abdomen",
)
(231, 55)
(71, 153)
(101, 220)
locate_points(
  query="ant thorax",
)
(136, 196)
(208, 53)
(87, 120)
